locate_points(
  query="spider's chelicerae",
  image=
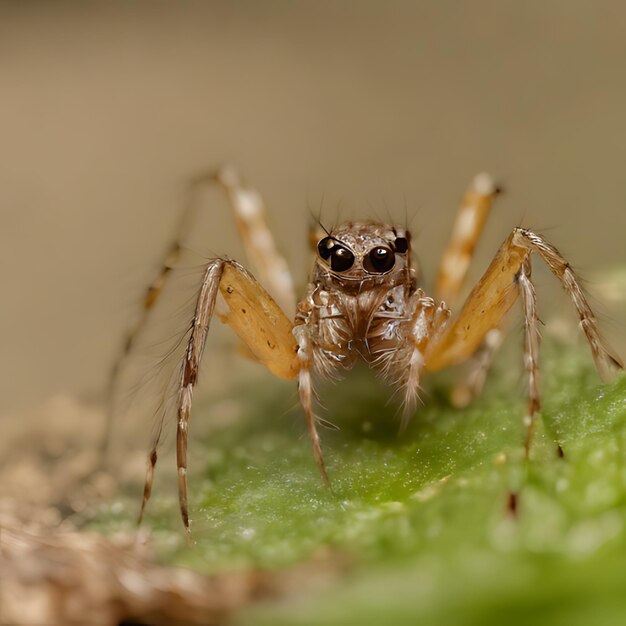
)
(363, 303)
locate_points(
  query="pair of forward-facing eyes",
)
(379, 260)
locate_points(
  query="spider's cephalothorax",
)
(363, 302)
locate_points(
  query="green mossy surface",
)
(422, 516)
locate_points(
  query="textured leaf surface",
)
(422, 517)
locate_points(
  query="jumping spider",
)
(363, 303)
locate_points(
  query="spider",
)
(363, 302)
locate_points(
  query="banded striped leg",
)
(496, 293)
(532, 339)
(468, 226)
(252, 224)
(466, 231)
(251, 221)
(150, 299)
(257, 320)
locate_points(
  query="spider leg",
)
(251, 221)
(605, 358)
(494, 295)
(397, 341)
(152, 294)
(468, 226)
(531, 347)
(484, 309)
(256, 319)
(479, 364)
(427, 320)
(252, 224)
(305, 390)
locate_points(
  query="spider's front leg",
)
(507, 277)
(256, 319)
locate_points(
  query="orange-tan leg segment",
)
(483, 310)
(256, 319)
(496, 293)
(468, 226)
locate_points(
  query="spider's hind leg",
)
(473, 381)
(466, 231)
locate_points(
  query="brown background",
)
(107, 109)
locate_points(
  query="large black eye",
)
(379, 260)
(341, 259)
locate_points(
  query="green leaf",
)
(422, 517)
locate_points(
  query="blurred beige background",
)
(107, 109)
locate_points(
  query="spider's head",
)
(364, 250)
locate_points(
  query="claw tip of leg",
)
(512, 504)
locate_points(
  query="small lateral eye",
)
(341, 259)
(401, 245)
(379, 260)
(324, 247)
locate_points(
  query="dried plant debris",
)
(75, 578)
(54, 571)
(84, 577)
